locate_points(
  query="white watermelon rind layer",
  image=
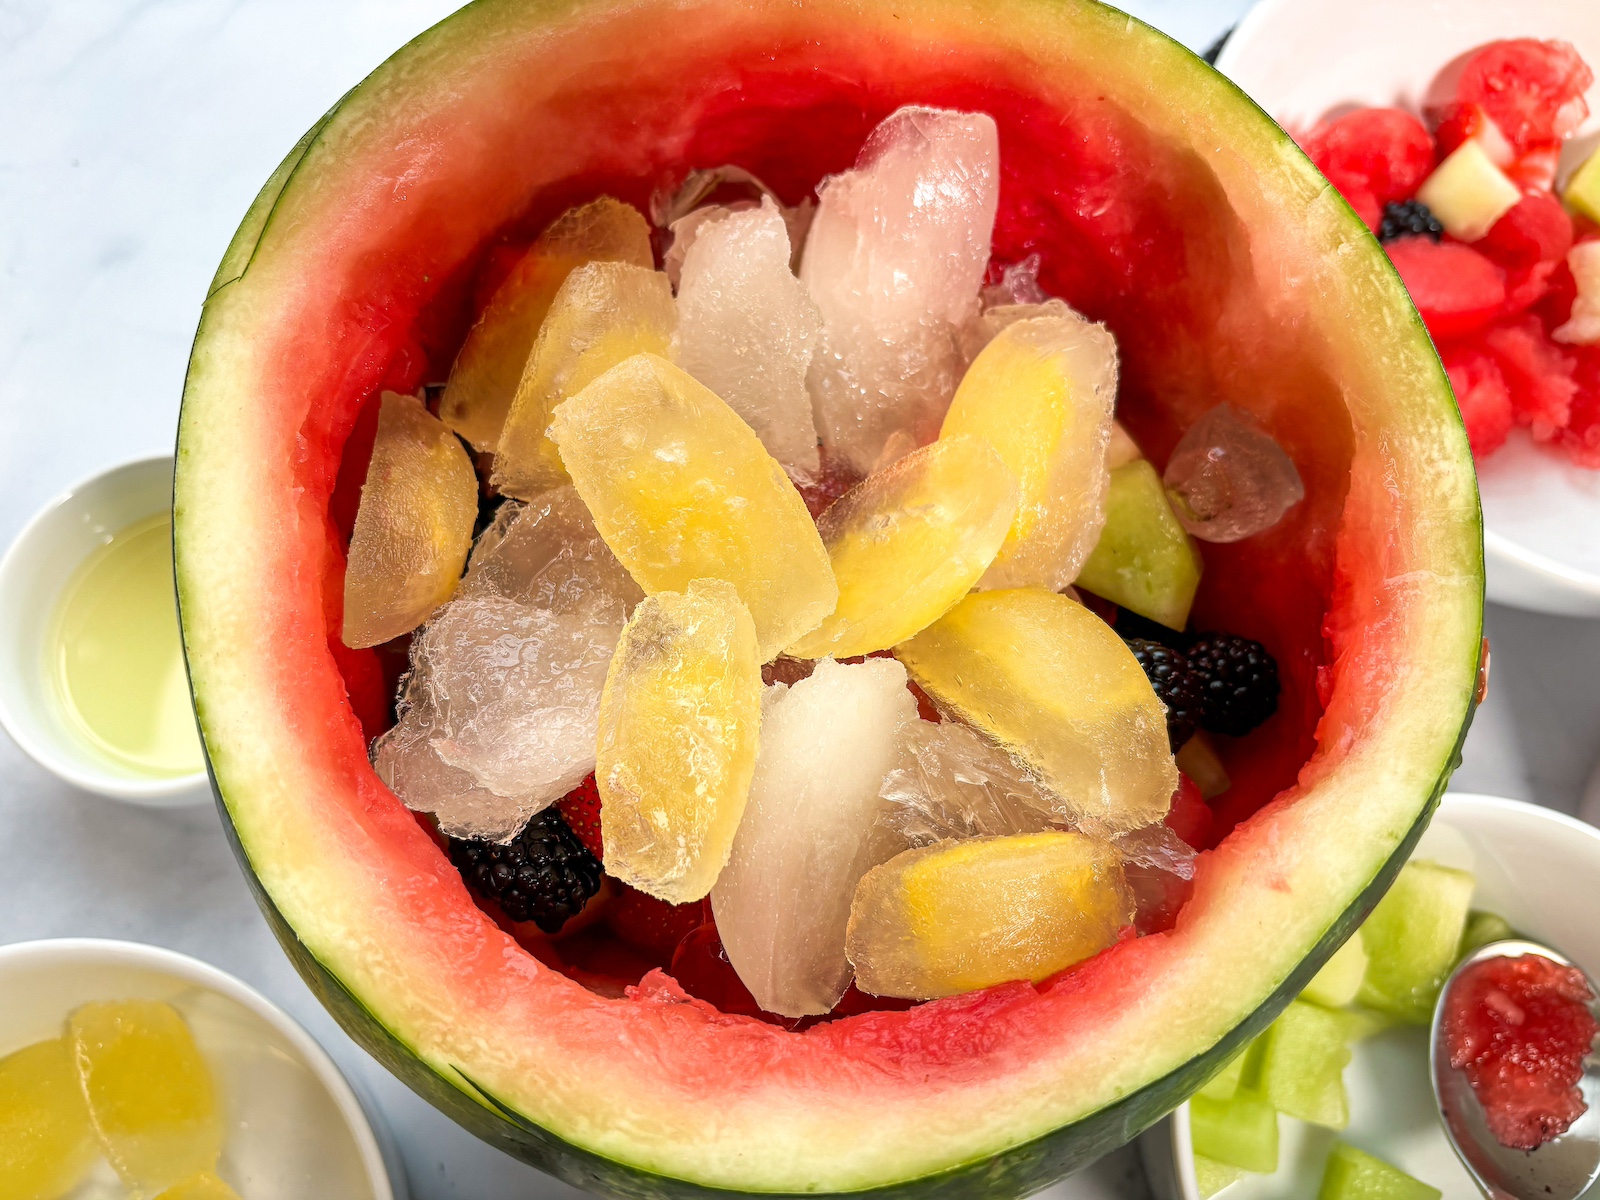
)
(608, 1094)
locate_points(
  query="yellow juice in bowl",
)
(114, 656)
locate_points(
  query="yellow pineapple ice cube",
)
(909, 542)
(483, 380)
(204, 1186)
(151, 1096)
(1041, 393)
(605, 312)
(46, 1141)
(681, 489)
(413, 528)
(1057, 688)
(678, 725)
(961, 915)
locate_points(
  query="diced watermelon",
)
(1455, 288)
(1538, 372)
(1581, 438)
(1528, 242)
(1458, 122)
(1373, 156)
(1532, 89)
(1481, 393)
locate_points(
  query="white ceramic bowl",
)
(1301, 59)
(1539, 869)
(33, 573)
(295, 1128)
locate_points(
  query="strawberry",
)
(580, 808)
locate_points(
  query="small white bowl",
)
(1539, 869)
(295, 1128)
(39, 564)
(1300, 60)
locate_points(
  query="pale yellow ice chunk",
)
(810, 831)
(204, 1186)
(46, 1142)
(483, 380)
(909, 542)
(605, 312)
(413, 527)
(151, 1096)
(681, 489)
(962, 915)
(1041, 393)
(679, 723)
(1058, 689)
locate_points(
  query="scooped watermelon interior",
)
(1161, 202)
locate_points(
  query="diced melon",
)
(604, 313)
(1041, 394)
(1302, 1065)
(1468, 193)
(1197, 758)
(1211, 1176)
(1362, 1023)
(1144, 560)
(681, 489)
(1227, 1082)
(1242, 1131)
(204, 1186)
(151, 1096)
(957, 916)
(1412, 938)
(1483, 928)
(1353, 1174)
(1055, 686)
(483, 380)
(679, 720)
(910, 541)
(414, 525)
(1337, 983)
(1582, 193)
(46, 1141)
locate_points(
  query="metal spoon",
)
(1562, 1169)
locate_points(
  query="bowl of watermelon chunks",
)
(1468, 143)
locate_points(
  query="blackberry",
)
(1238, 681)
(543, 875)
(1175, 685)
(1413, 218)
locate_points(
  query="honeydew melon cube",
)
(1582, 194)
(1353, 1174)
(1412, 938)
(1468, 193)
(1212, 1176)
(1242, 1132)
(1226, 1082)
(1340, 978)
(1197, 758)
(1302, 1065)
(1362, 1023)
(1144, 560)
(1483, 928)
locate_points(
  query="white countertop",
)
(136, 132)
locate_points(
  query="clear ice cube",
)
(502, 705)
(949, 781)
(748, 330)
(1228, 480)
(810, 832)
(1019, 285)
(894, 260)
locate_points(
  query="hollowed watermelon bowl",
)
(1162, 202)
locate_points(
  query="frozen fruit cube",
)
(204, 1186)
(949, 781)
(1228, 479)
(1383, 153)
(748, 330)
(1054, 686)
(681, 489)
(151, 1096)
(1481, 394)
(483, 380)
(46, 1141)
(909, 542)
(1302, 1065)
(1041, 393)
(810, 832)
(677, 746)
(894, 260)
(1143, 559)
(958, 916)
(605, 312)
(1353, 1174)
(1412, 937)
(413, 528)
(1533, 90)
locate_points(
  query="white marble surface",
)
(135, 132)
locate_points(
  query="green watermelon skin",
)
(1331, 566)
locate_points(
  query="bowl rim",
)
(48, 952)
(170, 792)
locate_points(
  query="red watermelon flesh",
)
(1373, 156)
(1529, 242)
(1456, 289)
(1581, 438)
(1538, 372)
(1481, 394)
(1532, 89)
